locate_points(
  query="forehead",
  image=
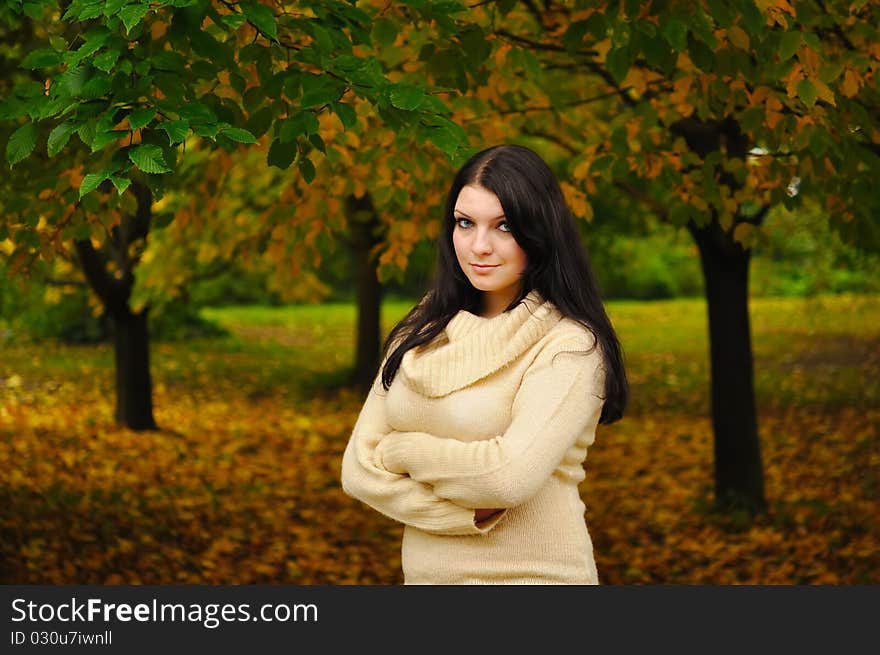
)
(477, 202)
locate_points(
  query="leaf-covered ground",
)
(242, 484)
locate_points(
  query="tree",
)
(708, 114)
(137, 82)
(377, 187)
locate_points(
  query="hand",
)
(384, 460)
(483, 514)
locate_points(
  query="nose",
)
(482, 243)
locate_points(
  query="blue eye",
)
(462, 222)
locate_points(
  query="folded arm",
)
(398, 496)
(557, 402)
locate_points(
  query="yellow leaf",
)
(851, 83)
(738, 37)
(408, 231)
(824, 92)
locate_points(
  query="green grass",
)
(806, 350)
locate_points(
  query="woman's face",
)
(486, 250)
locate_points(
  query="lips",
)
(484, 267)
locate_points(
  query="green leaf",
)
(197, 112)
(59, 137)
(307, 168)
(620, 35)
(97, 86)
(121, 183)
(385, 31)
(318, 95)
(33, 9)
(752, 18)
(445, 138)
(701, 26)
(574, 35)
(318, 142)
(168, 61)
(207, 130)
(42, 59)
(112, 7)
(675, 33)
(260, 122)
(323, 40)
(658, 53)
(90, 182)
(702, 55)
(721, 12)
(12, 108)
(830, 72)
(617, 62)
(788, 45)
(141, 117)
(176, 130)
(53, 107)
(238, 134)
(148, 158)
(86, 131)
(407, 96)
(73, 80)
(346, 114)
(131, 15)
(106, 60)
(477, 48)
(807, 92)
(304, 122)
(94, 42)
(58, 42)
(812, 39)
(21, 143)
(104, 139)
(261, 17)
(233, 20)
(597, 25)
(282, 154)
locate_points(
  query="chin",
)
(480, 285)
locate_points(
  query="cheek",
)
(457, 244)
(518, 257)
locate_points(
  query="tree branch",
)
(552, 138)
(639, 194)
(93, 266)
(756, 219)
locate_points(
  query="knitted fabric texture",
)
(496, 413)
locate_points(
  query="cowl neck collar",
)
(475, 347)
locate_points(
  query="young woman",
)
(475, 431)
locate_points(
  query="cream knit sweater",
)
(497, 413)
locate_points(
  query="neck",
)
(495, 302)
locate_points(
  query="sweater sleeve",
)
(398, 496)
(557, 403)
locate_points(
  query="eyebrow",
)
(458, 211)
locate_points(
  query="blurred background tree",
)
(708, 116)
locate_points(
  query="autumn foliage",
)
(243, 484)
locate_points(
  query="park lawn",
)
(241, 485)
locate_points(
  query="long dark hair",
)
(557, 264)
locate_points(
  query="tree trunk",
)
(134, 389)
(365, 229)
(739, 480)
